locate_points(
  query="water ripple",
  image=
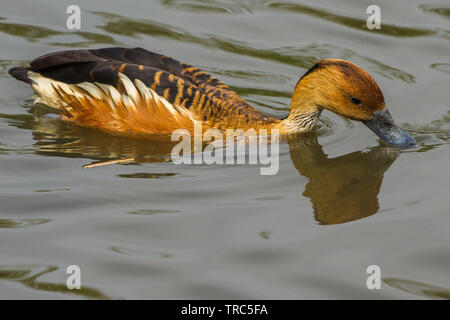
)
(391, 30)
(299, 57)
(442, 67)
(434, 132)
(34, 33)
(355, 23)
(21, 223)
(252, 75)
(152, 211)
(419, 288)
(207, 6)
(438, 9)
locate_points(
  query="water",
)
(342, 200)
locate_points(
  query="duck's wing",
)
(124, 57)
(130, 90)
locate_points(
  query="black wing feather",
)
(73, 66)
(103, 66)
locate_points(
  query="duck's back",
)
(134, 90)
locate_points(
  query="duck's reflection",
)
(341, 189)
(344, 188)
(54, 137)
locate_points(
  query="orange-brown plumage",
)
(138, 92)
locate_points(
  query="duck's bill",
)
(384, 126)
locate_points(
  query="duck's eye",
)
(355, 101)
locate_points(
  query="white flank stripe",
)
(129, 87)
(92, 89)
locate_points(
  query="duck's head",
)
(346, 89)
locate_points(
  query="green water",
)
(153, 229)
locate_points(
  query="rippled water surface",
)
(341, 201)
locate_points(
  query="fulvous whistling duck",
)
(135, 91)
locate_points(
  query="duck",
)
(133, 91)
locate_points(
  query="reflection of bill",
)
(345, 188)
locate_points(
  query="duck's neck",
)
(304, 112)
(303, 116)
(298, 121)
